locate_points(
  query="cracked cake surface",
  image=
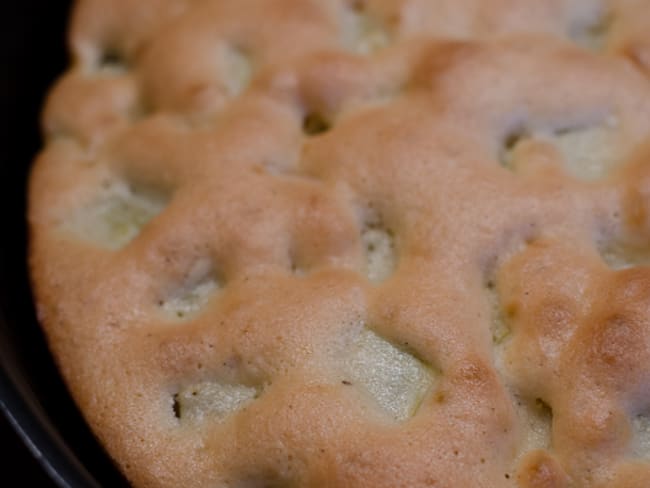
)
(353, 243)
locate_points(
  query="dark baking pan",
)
(32, 395)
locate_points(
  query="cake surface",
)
(348, 243)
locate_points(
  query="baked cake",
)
(353, 243)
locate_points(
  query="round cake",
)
(353, 243)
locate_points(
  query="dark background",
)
(22, 464)
(32, 55)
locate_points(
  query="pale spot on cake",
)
(117, 215)
(535, 419)
(298, 269)
(209, 399)
(534, 416)
(592, 33)
(590, 152)
(363, 32)
(379, 249)
(187, 300)
(394, 378)
(237, 68)
(507, 152)
(500, 330)
(622, 256)
(587, 153)
(111, 63)
(641, 436)
(190, 301)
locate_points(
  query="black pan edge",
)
(45, 444)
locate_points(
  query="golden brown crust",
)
(221, 176)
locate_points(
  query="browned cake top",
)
(381, 243)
